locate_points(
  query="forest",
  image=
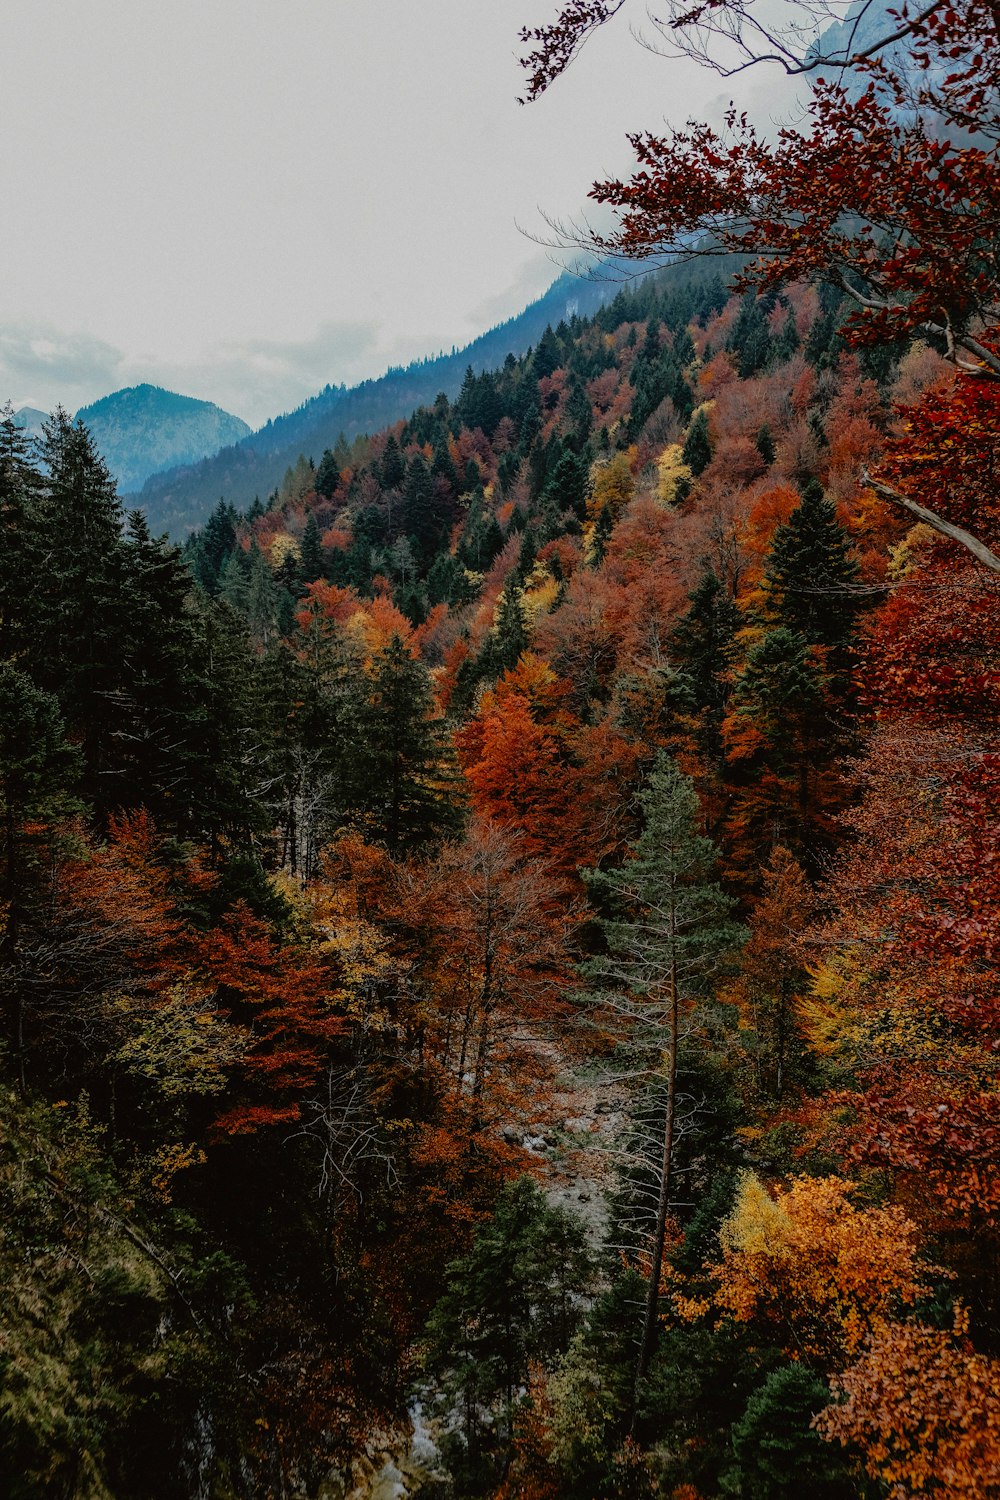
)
(502, 936)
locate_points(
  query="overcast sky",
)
(244, 200)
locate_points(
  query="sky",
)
(245, 201)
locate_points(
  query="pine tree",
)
(404, 778)
(811, 574)
(262, 598)
(513, 1298)
(19, 483)
(764, 443)
(312, 564)
(705, 642)
(158, 758)
(697, 451)
(671, 930)
(601, 536)
(509, 637)
(392, 470)
(76, 647)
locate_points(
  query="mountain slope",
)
(144, 429)
(30, 420)
(180, 499)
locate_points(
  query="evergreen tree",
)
(514, 1298)
(404, 779)
(547, 356)
(764, 443)
(697, 451)
(601, 536)
(312, 564)
(19, 561)
(158, 757)
(751, 339)
(509, 637)
(810, 573)
(392, 470)
(670, 931)
(705, 641)
(38, 769)
(262, 598)
(76, 646)
(777, 1453)
(212, 546)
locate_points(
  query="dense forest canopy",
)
(508, 928)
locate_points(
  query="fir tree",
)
(19, 485)
(697, 451)
(509, 637)
(312, 564)
(705, 641)
(670, 931)
(810, 573)
(764, 443)
(404, 778)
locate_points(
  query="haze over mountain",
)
(145, 429)
(180, 498)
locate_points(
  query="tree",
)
(515, 1297)
(697, 450)
(876, 201)
(811, 577)
(19, 485)
(776, 1449)
(311, 561)
(705, 641)
(404, 779)
(890, 193)
(922, 1407)
(496, 954)
(671, 932)
(38, 769)
(76, 646)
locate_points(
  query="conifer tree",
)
(404, 776)
(76, 648)
(19, 484)
(311, 561)
(671, 930)
(764, 443)
(601, 536)
(697, 451)
(509, 636)
(705, 641)
(810, 573)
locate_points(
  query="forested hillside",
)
(180, 499)
(142, 430)
(502, 940)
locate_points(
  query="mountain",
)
(30, 419)
(144, 429)
(181, 498)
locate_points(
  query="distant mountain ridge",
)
(181, 498)
(145, 429)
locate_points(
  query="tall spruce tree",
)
(77, 646)
(404, 776)
(810, 573)
(669, 930)
(19, 483)
(697, 451)
(705, 642)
